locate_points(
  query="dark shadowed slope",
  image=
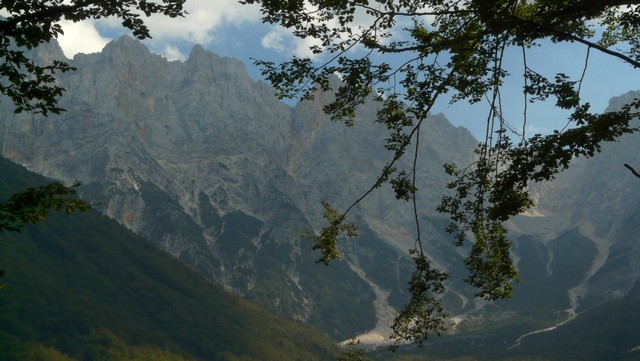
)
(83, 286)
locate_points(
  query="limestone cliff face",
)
(215, 170)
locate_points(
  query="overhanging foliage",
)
(456, 47)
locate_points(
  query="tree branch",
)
(568, 36)
(57, 12)
(630, 168)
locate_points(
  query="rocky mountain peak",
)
(47, 52)
(198, 52)
(618, 102)
(125, 49)
(202, 60)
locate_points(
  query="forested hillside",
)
(81, 287)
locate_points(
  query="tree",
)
(455, 47)
(32, 87)
(353, 352)
(34, 204)
(28, 24)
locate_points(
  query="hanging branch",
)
(630, 168)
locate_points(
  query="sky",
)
(231, 29)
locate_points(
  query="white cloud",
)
(282, 41)
(275, 40)
(201, 25)
(81, 37)
(197, 26)
(173, 53)
(537, 129)
(202, 19)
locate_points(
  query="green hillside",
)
(81, 287)
(609, 331)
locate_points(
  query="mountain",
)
(209, 166)
(212, 168)
(603, 197)
(578, 253)
(595, 204)
(81, 287)
(608, 331)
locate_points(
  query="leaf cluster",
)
(495, 189)
(353, 352)
(491, 268)
(327, 240)
(424, 314)
(31, 86)
(34, 204)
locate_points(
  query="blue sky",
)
(230, 29)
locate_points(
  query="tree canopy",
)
(407, 54)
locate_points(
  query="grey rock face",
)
(215, 170)
(598, 197)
